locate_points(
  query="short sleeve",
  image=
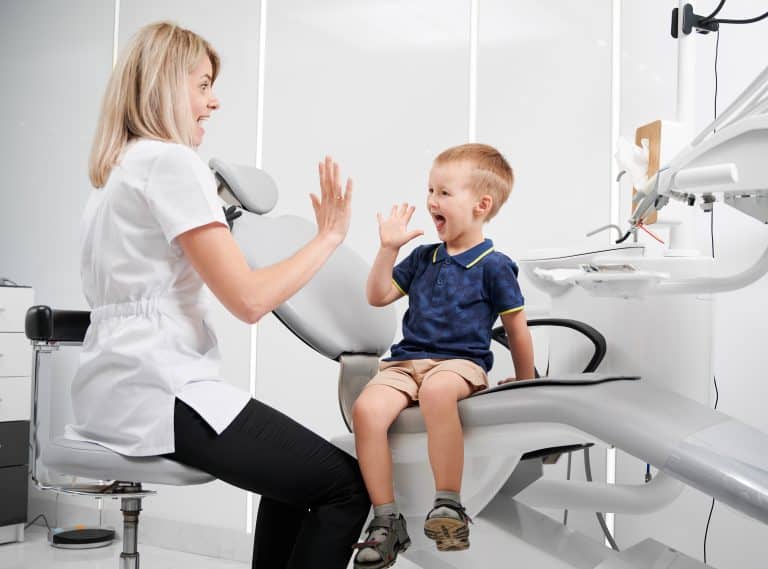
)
(181, 192)
(504, 290)
(405, 270)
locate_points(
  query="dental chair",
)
(508, 428)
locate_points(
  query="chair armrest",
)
(597, 339)
(44, 323)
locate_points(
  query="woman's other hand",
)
(333, 208)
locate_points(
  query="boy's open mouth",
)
(439, 221)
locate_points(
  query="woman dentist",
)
(154, 234)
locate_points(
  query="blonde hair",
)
(493, 174)
(147, 94)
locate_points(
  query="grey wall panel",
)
(543, 91)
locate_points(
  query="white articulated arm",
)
(728, 156)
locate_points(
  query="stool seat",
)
(96, 462)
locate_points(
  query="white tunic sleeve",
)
(181, 192)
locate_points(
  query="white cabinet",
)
(15, 368)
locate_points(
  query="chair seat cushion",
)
(90, 460)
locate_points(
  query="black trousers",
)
(313, 499)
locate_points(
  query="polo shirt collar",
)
(468, 258)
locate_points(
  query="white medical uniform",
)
(148, 342)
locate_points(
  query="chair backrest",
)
(330, 313)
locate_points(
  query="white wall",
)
(382, 86)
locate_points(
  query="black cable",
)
(717, 51)
(706, 531)
(716, 11)
(624, 238)
(712, 242)
(712, 507)
(746, 21)
(45, 520)
(711, 18)
(712, 211)
(600, 516)
(567, 477)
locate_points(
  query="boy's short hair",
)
(494, 175)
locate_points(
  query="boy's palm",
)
(393, 231)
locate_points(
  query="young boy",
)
(456, 290)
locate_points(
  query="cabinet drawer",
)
(15, 398)
(15, 355)
(14, 443)
(13, 495)
(14, 303)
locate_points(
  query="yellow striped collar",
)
(468, 258)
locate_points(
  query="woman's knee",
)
(351, 486)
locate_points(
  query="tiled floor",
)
(35, 553)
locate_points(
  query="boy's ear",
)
(484, 205)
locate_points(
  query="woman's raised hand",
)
(333, 208)
(393, 231)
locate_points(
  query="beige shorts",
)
(408, 375)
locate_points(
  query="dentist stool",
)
(49, 329)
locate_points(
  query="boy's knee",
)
(368, 411)
(437, 395)
(360, 410)
(364, 412)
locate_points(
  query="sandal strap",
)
(379, 522)
(383, 522)
(455, 506)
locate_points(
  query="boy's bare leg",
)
(373, 413)
(438, 397)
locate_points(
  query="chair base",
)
(130, 495)
(81, 538)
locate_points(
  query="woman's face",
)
(202, 101)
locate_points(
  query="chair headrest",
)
(252, 187)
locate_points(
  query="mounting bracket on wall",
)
(692, 21)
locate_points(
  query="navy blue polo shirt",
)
(454, 301)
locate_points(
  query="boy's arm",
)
(393, 233)
(520, 344)
(380, 289)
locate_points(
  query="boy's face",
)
(451, 200)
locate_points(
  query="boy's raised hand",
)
(393, 231)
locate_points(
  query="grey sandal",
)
(448, 525)
(378, 554)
